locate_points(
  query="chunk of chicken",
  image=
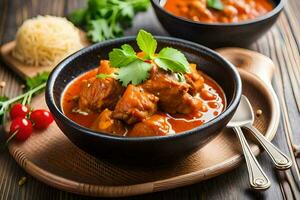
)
(173, 95)
(194, 79)
(166, 88)
(98, 94)
(105, 123)
(156, 125)
(190, 104)
(135, 105)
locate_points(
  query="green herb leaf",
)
(139, 5)
(133, 69)
(128, 49)
(173, 60)
(215, 4)
(106, 19)
(180, 77)
(37, 80)
(134, 73)
(3, 98)
(102, 76)
(2, 110)
(78, 16)
(94, 7)
(122, 57)
(98, 30)
(127, 13)
(146, 43)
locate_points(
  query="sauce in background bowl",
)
(233, 10)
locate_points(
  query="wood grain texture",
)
(232, 185)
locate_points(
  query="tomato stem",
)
(29, 98)
(25, 100)
(5, 104)
(12, 136)
(4, 144)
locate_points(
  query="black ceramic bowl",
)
(142, 148)
(214, 35)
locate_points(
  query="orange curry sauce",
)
(233, 10)
(179, 122)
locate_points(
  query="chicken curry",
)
(218, 11)
(158, 99)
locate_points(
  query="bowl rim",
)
(232, 105)
(268, 15)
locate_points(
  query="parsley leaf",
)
(100, 30)
(146, 43)
(173, 60)
(133, 69)
(95, 5)
(78, 16)
(136, 73)
(215, 4)
(3, 98)
(37, 80)
(180, 77)
(122, 57)
(106, 19)
(127, 14)
(139, 5)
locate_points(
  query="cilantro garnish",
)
(136, 72)
(100, 30)
(106, 19)
(215, 4)
(147, 44)
(173, 60)
(133, 69)
(122, 57)
(37, 80)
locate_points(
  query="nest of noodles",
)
(46, 40)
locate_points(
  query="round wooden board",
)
(52, 158)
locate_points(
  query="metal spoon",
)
(258, 179)
(246, 115)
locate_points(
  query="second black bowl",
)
(142, 148)
(215, 35)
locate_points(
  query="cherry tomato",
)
(23, 126)
(18, 110)
(41, 118)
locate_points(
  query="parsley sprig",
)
(133, 69)
(33, 85)
(106, 19)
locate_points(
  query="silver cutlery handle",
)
(258, 179)
(280, 160)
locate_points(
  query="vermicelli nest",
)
(46, 40)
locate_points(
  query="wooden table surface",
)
(281, 44)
